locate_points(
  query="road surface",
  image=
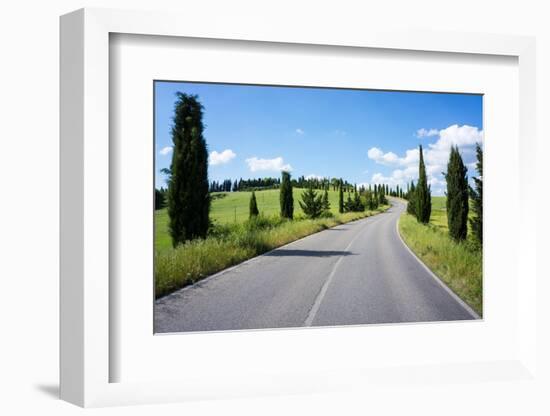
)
(355, 273)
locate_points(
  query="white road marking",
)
(323, 291)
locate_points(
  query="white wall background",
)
(29, 116)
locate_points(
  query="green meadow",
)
(459, 265)
(232, 208)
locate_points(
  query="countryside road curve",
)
(355, 273)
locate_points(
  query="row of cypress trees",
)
(458, 194)
(314, 204)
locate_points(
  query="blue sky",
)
(359, 135)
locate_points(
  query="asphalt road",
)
(356, 273)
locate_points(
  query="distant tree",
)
(285, 196)
(326, 203)
(340, 198)
(411, 198)
(457, 196)
(348, 205)
(423, 198)
(160, 201)
(311, 203)
(369, 200)
(382, 197)
(188, 197)
(477, 199)
(253, 206)
(358, 205)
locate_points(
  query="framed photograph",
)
(251, 236)
(294, 207)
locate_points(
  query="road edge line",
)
(467, 307)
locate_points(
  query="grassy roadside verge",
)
(459, 265)
(230, 244)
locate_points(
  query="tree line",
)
(257, 184)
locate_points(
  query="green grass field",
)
(234, 238)
(459, 265)
(232, 207)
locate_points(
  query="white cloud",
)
(379, 156)
(299, 131)
(221, 158)
(458, 136)
(390, 158)
(166, 150)
(436, 156)
(276, 164)
(426, 133)
(465, 137)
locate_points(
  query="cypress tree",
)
(357, 203)
(188, 198)
(370, 201)
(253, 206)
(457, 196)
(285, 196)
(477, 199)
(411, 205)
(326, 203)
(341, 198)
(159, 199)
(423, 198)
(348, 206)
(311, 203)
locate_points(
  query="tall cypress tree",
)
(477, 199)
(188, 198)
(423, 198)
(457, 196)
(253, 206)
(411, 198)
(285, 196)
(341, 198)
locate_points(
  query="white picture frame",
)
(85, 307)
